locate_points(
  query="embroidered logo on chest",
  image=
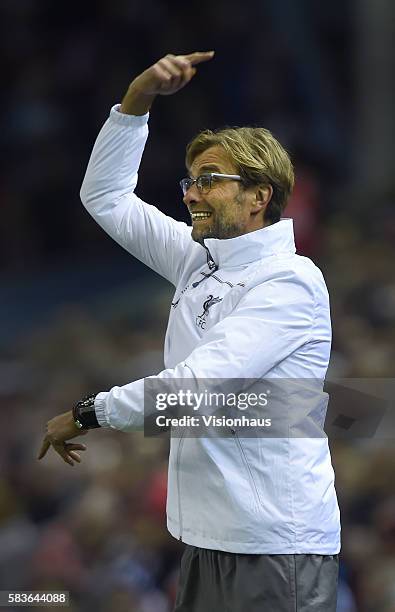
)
(207, 304)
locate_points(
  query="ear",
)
(263, 195)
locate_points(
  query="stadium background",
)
(78, 314)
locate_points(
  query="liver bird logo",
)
(201, 319)
(211, 300)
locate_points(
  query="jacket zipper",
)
(179, 486)
(212, 266)
(210, 261)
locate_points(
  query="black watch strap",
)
(84, 413)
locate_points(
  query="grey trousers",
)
(216, 581)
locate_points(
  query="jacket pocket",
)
(250, 477)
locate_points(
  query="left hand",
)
(60, 429)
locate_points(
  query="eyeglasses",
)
(204, 181)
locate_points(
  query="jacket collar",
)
(271, 240)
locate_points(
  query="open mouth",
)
(199, 216)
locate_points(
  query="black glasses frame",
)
(204, 181)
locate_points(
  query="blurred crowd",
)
(98, 529)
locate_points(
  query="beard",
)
(219, 227)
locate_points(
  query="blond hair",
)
(260, 160)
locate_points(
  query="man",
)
(259, 516)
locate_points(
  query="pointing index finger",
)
(43, 451)
(199, 56)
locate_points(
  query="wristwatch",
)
(84, 413)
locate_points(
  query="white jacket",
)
(252, 495)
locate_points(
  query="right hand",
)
(169, 74)
(165, 77)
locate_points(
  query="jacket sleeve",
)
(269, 323)
(108, 195)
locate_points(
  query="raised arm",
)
(108, 188)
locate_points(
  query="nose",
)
(192, 196)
